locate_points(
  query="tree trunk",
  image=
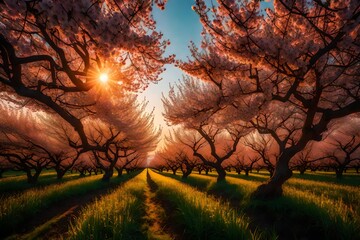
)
(108, 173)
(339, 172)
(120, 171)
(30, 178)
(273, 188)
(1, 173)
(187, 173)
(174, 171)
(247, 172)
(221, 174)
(82, 173)
(271, 172)
(33, 178)
(59, 174)
(302, 171)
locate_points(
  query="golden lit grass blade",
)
(17, 209)
(114, 216)
(203, 216)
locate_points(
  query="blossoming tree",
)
(300, 54)
(57, 55)
(123, 131)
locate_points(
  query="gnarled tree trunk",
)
(302, 170)
(187, 172)
(33, 178)
(108, 173)
(273, 187)
(120, 171)
(339, 172)
(221, 173)
(60, 173)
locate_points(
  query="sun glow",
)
(104, 77)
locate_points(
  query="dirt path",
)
(157, 219)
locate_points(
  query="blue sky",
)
(180, 24)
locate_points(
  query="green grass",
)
(314, 206)
(193, 180)
(307, 209)
(114, 216)
(203, 216)
(349, 178)
(12, 173)
(17, 209)
(43, 228)
(13, 184)
(350, 195)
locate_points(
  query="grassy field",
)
(152, 205)
(115, 216)
(17, 209)
(15, 182)
(309, 209)
(202, 216)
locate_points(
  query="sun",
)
(104, 77)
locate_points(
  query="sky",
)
(180, 24)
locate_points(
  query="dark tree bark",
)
(221, 174)
(33, 178)
(82, 172)
(60, 174)
(108, 173)
(187, 172)
(119, 171)
(273, 188)
(339, 172)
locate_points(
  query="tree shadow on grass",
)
(284, 218)
(292, 218)
(251, 177)
(17, 185)
(351, 180)
(201, 184)
(58, 203)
